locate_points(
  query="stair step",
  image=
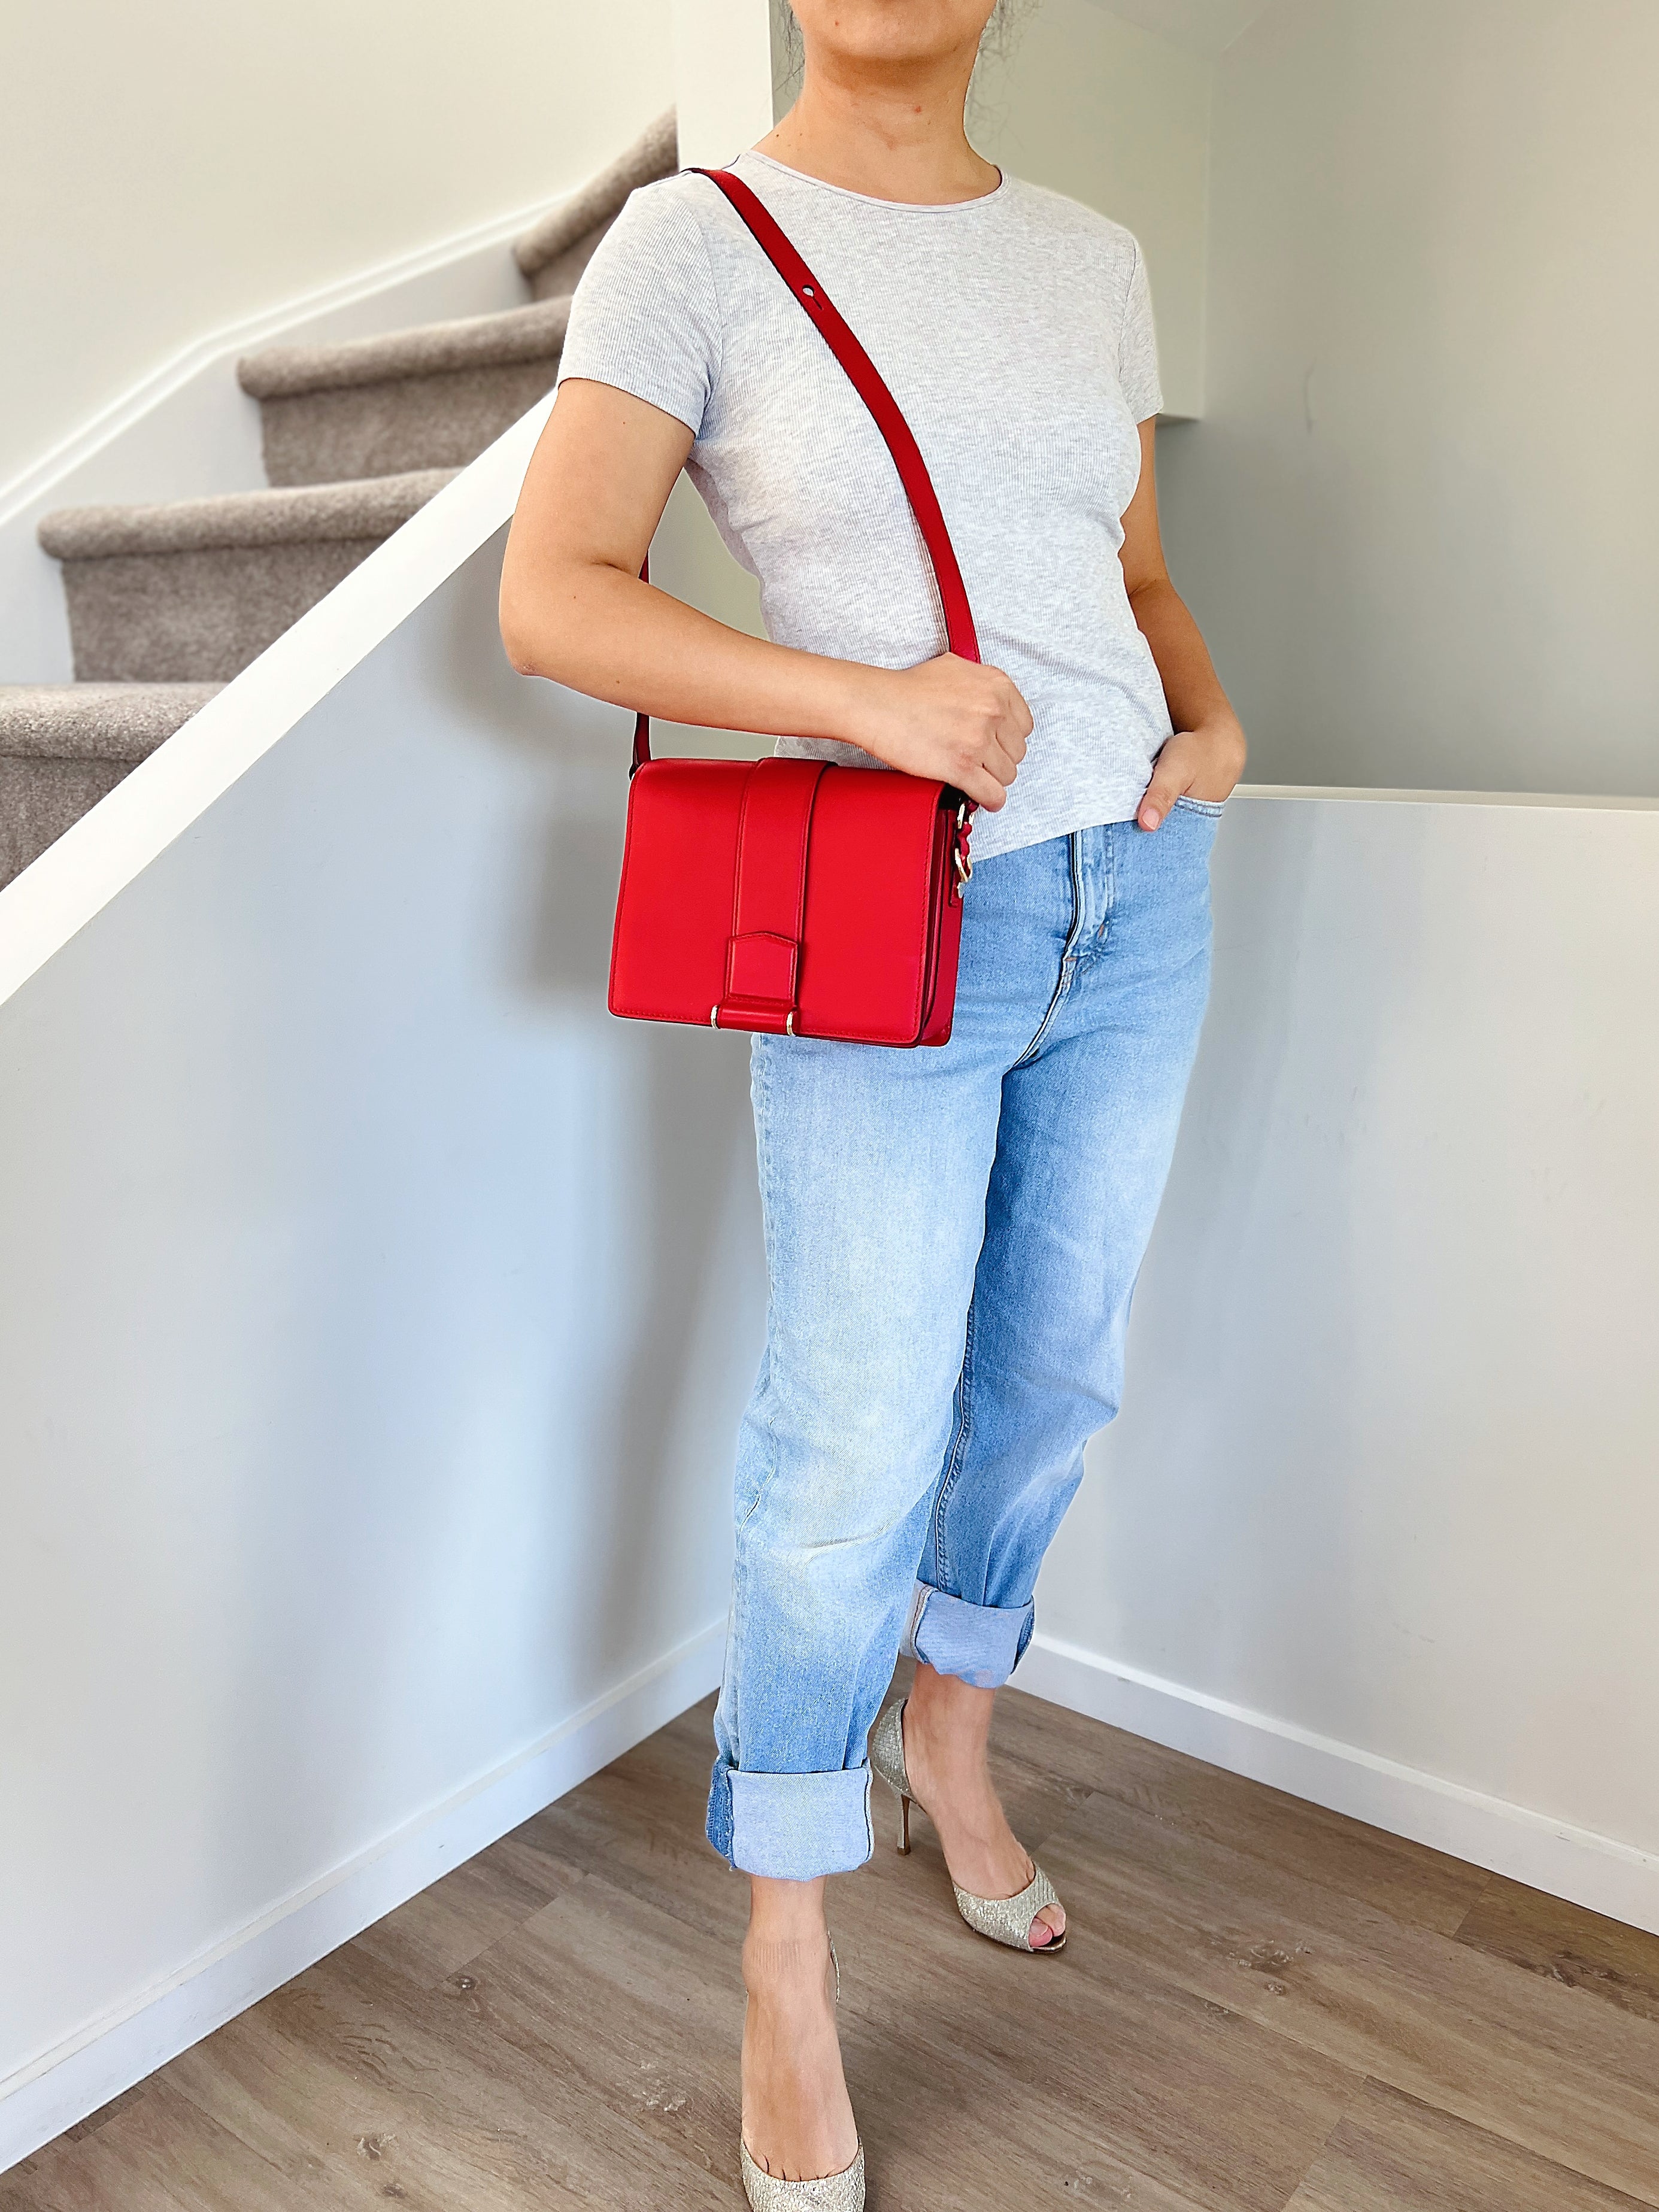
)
(63, 746)
(554, 251)
(193, 590)
(424, 399)
(94, 721)
(314, 513)
(516, 335)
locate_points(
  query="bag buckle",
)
(959, 847)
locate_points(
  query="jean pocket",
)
(1212, 809)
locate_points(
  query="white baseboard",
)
(1576, 1863)
(107, 2056)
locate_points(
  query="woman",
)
(952, 1234)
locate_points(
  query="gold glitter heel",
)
(835, 2192)
(1003, 1919)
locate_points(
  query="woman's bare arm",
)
(1205, 756)
(573, 608)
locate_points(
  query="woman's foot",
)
(947, 1730)
(797, 2116)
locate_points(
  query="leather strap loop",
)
(762, 962)
(866, 379)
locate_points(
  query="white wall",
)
(167, 171)
(723, 77)
(374, 1320)
(1117, 116)
(377, 1315)
(1383, 1488)
(1418, 523)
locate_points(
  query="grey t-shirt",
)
(1015, 333)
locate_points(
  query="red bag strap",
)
(867, 382)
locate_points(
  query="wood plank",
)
(971, 2064)
(935, 2107)
(1397, 1876)
(640, 2011)
(436, 1933)
(1574, 2082)
(268, 2084)
(1580, 1950)
(161, 2155)
(404, 2091)
(938, 2131)
(638, 1826)
(1391, 2153)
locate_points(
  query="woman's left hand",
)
(1202, 764)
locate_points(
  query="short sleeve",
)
(1137, 352)
(645, 317)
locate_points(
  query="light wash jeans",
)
(952, 1235)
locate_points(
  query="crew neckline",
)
(998, 191)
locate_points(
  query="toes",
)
(1047, 1928)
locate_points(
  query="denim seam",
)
(762, 1082)
(958, 1446)
(1109, 901)
(1067, 959)
(760, 1077)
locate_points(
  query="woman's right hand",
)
(951, 719)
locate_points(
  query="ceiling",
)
(1208, 25)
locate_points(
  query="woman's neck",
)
(895, 137)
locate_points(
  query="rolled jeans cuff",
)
(791, 1827)
(980, 1644)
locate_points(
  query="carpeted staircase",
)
(167, 602)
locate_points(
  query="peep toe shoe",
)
(1004, 1919)
(836, 2192)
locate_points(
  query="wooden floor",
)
(1262, 2008)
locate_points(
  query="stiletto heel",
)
(836, 2192)
(1004, 1919)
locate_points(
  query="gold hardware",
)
(714, 1018)
(789, 1023)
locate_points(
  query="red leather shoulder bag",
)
(790, 896)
